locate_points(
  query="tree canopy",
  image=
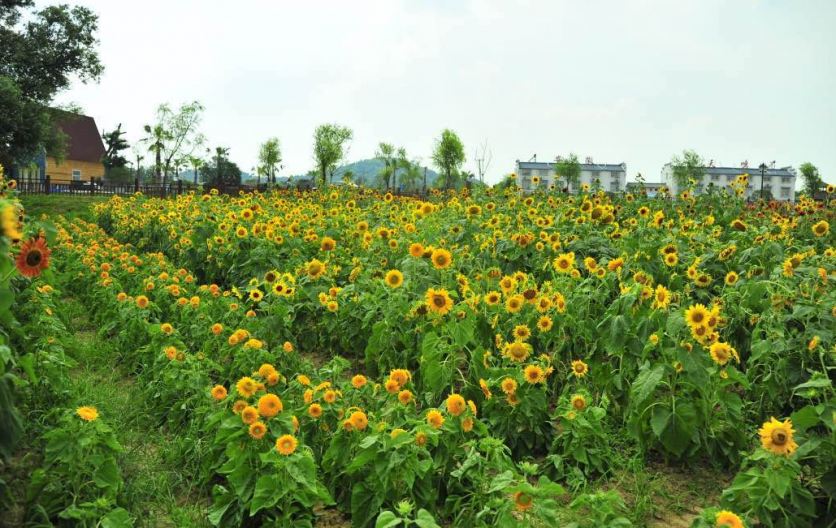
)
(38, 60)
(689, 166)
(114, 143)
(270, 156)
(448, 156)
(813, 181)
(569, 168)
(330, 147)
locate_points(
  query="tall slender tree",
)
(569, 170)
(270, 156)
(114, 142)
(448, 156)
(689, 166)
(175, 134)
(330, 147)
(812, 179)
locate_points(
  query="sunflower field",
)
(469, 360)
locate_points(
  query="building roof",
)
(541, 165)
(783, 171)
(754, 171)
(83, 140)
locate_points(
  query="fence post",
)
(179, 186)
(136, 185)
(92, 185)
(47, 184)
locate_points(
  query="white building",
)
(609, 177)
(777, 183)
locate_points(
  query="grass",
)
(52, 205)
(156, 488)
(157, 491)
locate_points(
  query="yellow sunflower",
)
(777, 437)
(438, 301)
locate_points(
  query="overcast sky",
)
(631, 82)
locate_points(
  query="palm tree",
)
(156, 140)
(386, 153)
(196, 164)
(139, 158)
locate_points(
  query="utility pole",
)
(763, 171)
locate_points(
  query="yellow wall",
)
(64, 171)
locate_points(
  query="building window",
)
(715, 177)
(729, 177)
(76, 174)
(786, 179)
(614, 186)
(785, 192)
(596, 175)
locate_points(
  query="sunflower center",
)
(779, 437)
(438, 300)
(34, 258)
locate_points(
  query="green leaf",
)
(118, 518)
(387, 519)
(676, 430)
(462, 331)
(817, 383)
(425, 520)
(364, 504)
(645, 384)
(268, 491)
(107, 475)
(805, 418)
(501, 481)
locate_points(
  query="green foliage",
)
(448, 156)
(114, 142)
(270, 156)
(40, 59)
(689, 166)
(79, 481)
(569, 169)
(330, 147)
(813, 182)
(769, 488)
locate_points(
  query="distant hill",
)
(364, 172)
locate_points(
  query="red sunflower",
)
(33, 257)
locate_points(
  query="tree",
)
(196, 164)
(386, 153)
(330, 147)
(220, 170)
(38, 60)
(175, 134)
(569, 169)
(448, 156)
(412, 174)
(137, 152)
(690, 166)
(114, 143)
(155, 139)
(270, 155)
(812, 179)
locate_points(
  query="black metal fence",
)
(97, 187)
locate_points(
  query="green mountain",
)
(365, 172)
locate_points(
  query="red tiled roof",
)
(83, 142)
